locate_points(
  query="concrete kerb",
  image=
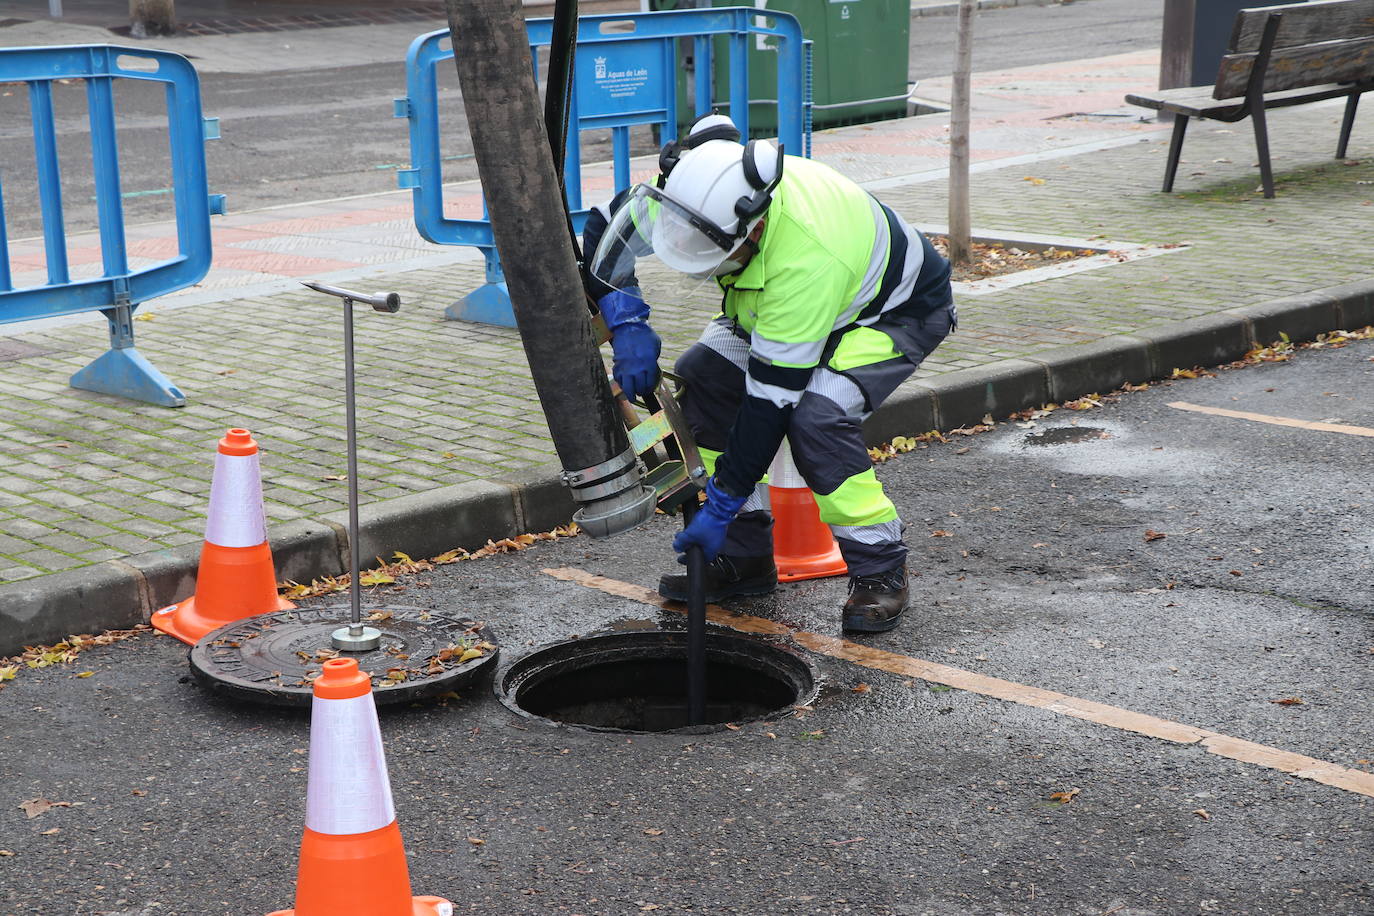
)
(120, 594)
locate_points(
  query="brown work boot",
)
(875, 602)
(726, 577)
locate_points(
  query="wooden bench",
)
(1279, 56)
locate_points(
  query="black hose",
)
(557, 96)
(696, 626)
(562, 53)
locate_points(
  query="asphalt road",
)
(315, 135)
(893, 794)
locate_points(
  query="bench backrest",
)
(1324, 41)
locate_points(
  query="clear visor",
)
(651, 225)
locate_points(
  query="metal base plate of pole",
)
(274, 658)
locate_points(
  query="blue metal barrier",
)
(122, 370)
(625, 75)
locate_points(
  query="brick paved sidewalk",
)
(84, 478)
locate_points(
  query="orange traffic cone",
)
(803, 547)
(236, 578)
(352, 859)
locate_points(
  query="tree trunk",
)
(515, 162)
(960, 233)
(152, 17)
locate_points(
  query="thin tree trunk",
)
(960, 233)
(152, 17)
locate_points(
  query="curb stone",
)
(119, 594)
(45, 609)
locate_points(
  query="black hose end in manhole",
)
(637, 682)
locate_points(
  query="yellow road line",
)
(1298, 765)
(1276, 421)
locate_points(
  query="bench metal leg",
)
(1175, 148)
(1262, 148)
(1347, 123)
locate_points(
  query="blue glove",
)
(634, 343)
(707, 528)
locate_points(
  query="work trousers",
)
(825, 431)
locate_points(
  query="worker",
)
(830, 301)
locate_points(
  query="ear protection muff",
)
(747, 208)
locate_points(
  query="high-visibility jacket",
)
(832, 261)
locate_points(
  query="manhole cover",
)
(637, 682)
(1067, 435)
(274, 658)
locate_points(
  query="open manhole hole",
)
(637, 682)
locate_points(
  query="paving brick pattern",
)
(85, 478)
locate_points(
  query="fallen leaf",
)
(1202, 813)
(1288, 701)
(1237, 572)
(1152, 535)
(86, 674)
(335, 477)
(941, 533)
(477, 841)
(860, 688)
(1065, 797)
(51, 832)
(1034, 181)
(653, 831)
(36, 806)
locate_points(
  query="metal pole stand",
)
(412, 653)
(355, 637)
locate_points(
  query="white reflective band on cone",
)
(236, 517)
(348, 791)
(783, 473)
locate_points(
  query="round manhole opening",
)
(637, 682)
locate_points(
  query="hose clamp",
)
(607, 468)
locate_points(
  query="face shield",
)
(650, 224)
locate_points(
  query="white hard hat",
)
(724, 184)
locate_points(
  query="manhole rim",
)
(715, 637)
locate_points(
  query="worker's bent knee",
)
(714, 388)
(827, 443)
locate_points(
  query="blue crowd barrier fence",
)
(119, 290)
(625, 75)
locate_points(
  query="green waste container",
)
(861, 50)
